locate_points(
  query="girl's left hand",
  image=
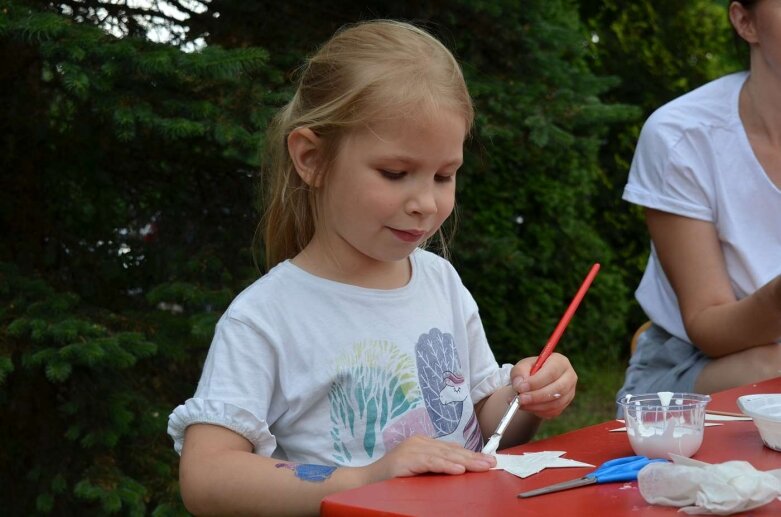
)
(550, 390)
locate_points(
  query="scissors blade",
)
(557, 487)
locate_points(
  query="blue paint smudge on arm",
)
(309, 472)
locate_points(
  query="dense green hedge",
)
(127, 204)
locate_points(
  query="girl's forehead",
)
(423, 121)
(436, 142)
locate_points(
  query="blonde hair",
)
(379, 69)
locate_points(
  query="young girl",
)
(359, 356)
(708, 170)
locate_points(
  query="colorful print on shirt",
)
(381, 396)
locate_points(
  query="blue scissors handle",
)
(620, 469)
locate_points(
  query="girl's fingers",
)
(556, 367)
(439, 456)
(551, 399)
(559, 389)
(548, 405)
(550, 390)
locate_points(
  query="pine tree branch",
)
(122, 12)
(180, 6)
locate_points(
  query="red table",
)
(495, 492)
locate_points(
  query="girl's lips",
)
(408, 235)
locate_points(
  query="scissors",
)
(619, 469)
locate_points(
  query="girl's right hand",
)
(420, 454)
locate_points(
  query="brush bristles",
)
(492, 445)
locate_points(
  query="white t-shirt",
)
(694, 159)
(315, 371)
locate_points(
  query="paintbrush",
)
(493, 442)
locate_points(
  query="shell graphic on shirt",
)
(443, 387)
(379, 394)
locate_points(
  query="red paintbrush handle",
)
(554, 338)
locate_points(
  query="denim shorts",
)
(662, 362)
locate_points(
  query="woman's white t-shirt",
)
(694, 159)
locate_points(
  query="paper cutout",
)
(524, 465)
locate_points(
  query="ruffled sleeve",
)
(496, 379)
(238, 420)
(236, 388)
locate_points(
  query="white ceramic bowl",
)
(664, 423)
(765, 409)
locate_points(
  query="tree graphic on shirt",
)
(376, 385)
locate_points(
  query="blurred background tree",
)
(127, 210)
(660, 50)
(130, 134)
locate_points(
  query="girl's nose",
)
(422, 201)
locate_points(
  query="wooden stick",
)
(725, 413)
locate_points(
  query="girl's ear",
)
(304, 147)
(743, 22)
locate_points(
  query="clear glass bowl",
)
(662, 423)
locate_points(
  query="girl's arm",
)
(690, 254)
(542, 395)
(219, 474)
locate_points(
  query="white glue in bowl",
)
(662, 423)
(765, 410)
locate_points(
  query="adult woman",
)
(707, 169)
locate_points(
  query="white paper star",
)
(524, 465)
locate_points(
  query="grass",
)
(598, 382)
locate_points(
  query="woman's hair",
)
(375, 70)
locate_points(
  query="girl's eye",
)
(440, 178)
(392, 175)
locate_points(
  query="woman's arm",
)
(690, 254)
(219, 474)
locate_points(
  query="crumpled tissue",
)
(704, 488)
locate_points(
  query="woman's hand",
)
(549, 391)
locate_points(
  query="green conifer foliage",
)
(527, 235)
(126, 216)
(660, 49)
